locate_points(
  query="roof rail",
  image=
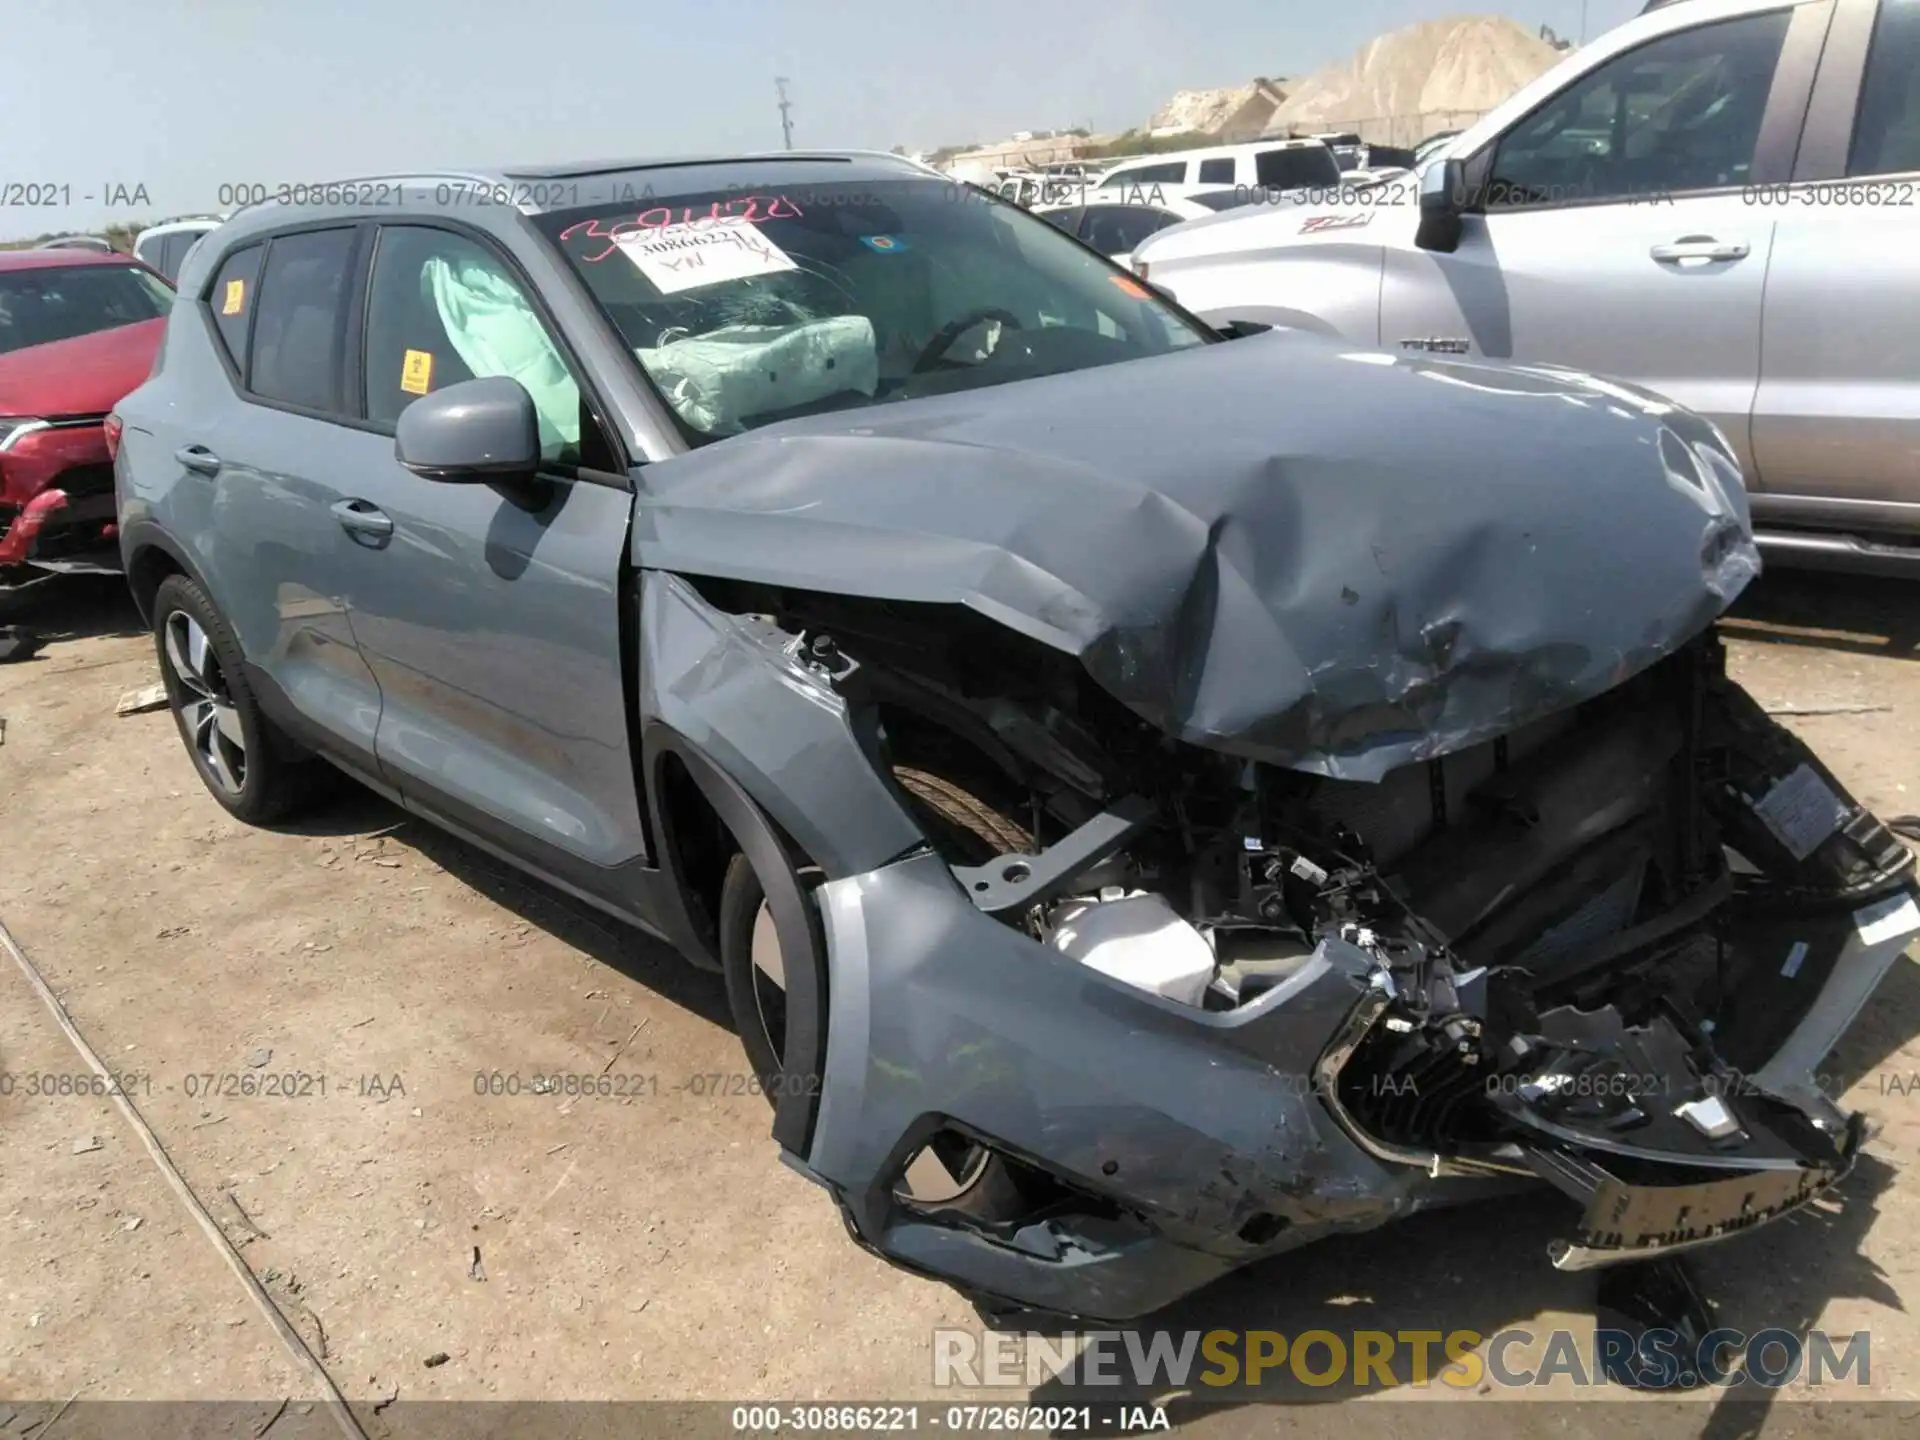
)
(403, 177)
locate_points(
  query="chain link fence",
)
(1400, 130)
(1404, 131)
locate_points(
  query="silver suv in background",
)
(1719, 201)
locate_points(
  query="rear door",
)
(1836, 426)
(1618, 232)
(256, 478)
(490, 614)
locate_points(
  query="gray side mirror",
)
(1443, 200)
(471, 433)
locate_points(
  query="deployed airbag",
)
(494, 331)
(717, 380)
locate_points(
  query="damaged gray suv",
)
(1148, 813)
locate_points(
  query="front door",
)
(1617, 232)
(490, 614)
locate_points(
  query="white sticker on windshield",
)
(686, 256)
(1802, 812)
(1887, 920)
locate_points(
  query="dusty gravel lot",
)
(650, 1246)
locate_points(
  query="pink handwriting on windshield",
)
(740, 210)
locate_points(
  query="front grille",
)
(82, 481)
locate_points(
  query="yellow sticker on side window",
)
(416, 374)
(236, 297)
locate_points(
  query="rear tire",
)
(243, 760)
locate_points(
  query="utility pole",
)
(1583, 22)
(786, 122)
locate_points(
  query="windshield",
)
(61, 302)
(746, 309)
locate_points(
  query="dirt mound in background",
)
(1465, 64)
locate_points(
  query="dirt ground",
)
(650, 1245)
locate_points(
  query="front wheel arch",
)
(795, 917)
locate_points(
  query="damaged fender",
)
(740, 692)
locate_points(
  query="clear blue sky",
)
(181, 96)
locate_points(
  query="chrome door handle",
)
(1701, 247)
(198, 459)
(362, 517)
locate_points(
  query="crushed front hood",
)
(1338, 562)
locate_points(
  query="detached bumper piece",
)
(1626, 1221)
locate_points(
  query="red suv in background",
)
(78, 330)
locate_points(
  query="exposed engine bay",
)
(1585, 946)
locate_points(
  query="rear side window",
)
(1886, 137)
(296, 336)
(160, 255)
(1067, 220)
(231, 301)
(174, 254)
(1170, 174)
(1303, 167)
(1217, 171)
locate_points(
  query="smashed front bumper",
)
(1199, 1130)
(57, 499)
(1195, 1141)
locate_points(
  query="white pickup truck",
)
(1718, 201)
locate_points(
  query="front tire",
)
(951, 1173)
(245, 763)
